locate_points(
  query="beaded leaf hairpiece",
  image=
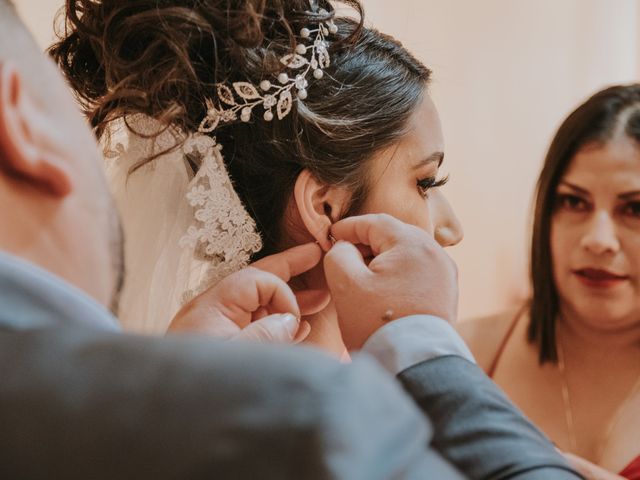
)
(243, 97)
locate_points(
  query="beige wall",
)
(39, 15)
(505, 74)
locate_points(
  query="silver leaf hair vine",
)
(222, 233)
(241, 98)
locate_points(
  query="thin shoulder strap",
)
(505, 340)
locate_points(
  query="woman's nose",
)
(600, 236)
(448, 230)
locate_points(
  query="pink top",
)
(632, 471)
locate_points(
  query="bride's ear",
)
(319, 206)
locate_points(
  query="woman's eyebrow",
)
(621, 196)
(434, 157)
(574, 187)
(628, 195)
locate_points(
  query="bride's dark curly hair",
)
(162, 58)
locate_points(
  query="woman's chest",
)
(587, 411)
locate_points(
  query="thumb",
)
(278, 328)
(344, 265)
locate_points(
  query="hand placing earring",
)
(256, 303)
(408, 273)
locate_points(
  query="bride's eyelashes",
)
(426, 184)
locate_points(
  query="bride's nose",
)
(447, 228)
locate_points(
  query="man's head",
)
(55, 207)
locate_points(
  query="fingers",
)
(203, 321)
(365, 251)
(309, 302)
(303, 332)
(275, 295)
(344, 264)
(230, 306)
(378, 231)
(250, 293)
(259, 313)
(277, 328)
(291, 262)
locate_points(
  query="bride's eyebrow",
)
(434, 157)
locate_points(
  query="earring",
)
(332, 239)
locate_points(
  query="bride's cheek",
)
(414, 210)
(423, 221)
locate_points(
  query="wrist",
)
(411, 340)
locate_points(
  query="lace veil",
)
(183, 231)
(175, 248)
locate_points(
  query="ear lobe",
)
(25, 146)
(319, 206)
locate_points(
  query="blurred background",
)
(506, 72)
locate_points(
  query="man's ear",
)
(28, 146)
(319, 206)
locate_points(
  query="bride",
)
(318, 118)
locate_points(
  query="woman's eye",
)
(572, 203)
(426, 184)
(632, 209)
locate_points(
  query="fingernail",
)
(290, 322)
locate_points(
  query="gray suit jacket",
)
(466, 406)
(80, 400)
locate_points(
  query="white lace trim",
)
(216, 236)
(223, 232)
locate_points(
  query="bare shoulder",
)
(485, 335)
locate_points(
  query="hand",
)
(409, 273)
(256, 303)
(588, 470)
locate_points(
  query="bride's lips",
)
(598, 278)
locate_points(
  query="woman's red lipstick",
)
(598, 278)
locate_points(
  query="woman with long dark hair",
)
(571, 358)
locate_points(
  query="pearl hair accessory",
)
(242, 97)
(222, 232)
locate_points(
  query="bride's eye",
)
(428, 183)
